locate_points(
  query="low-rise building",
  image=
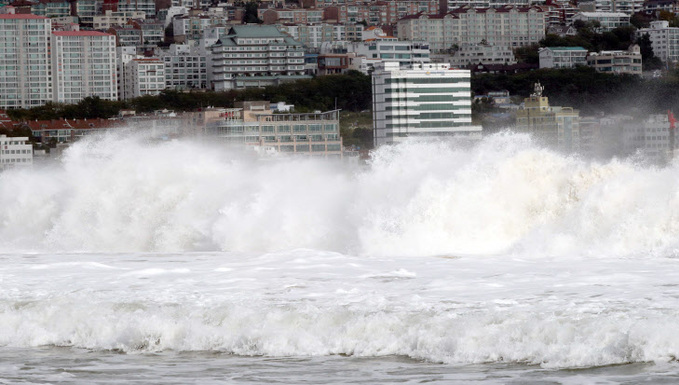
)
(253, 124)
(15, 152)
(111, 18)
(467, 54)
(617, 62)
(562, 57)
(607, 20)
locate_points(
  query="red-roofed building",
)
(65, 130)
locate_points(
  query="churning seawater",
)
(145, 262)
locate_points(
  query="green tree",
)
(250, 15)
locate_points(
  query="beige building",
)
(506, 26)
(557, 127)
(253, 124)
(616, 62)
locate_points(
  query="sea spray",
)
(503, 194)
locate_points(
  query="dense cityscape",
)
(421, 57)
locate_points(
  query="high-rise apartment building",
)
(421, 100)
(143, 76)
(664, 40)
(25, 68)
(84, 64)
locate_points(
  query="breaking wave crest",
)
(504, 194)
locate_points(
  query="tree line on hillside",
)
(589, 37)
(589, 91)
(350, 92)
(583, 88)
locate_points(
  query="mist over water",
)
(505, 194)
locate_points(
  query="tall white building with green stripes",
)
(423, 100)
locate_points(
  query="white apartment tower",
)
(84, 64)
(143, 76)
(25, 73)
(664, 40)
(421, 100)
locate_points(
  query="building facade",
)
(313, 134)
(84, 64)
(664, 40)
(421, 101)
(15, 152)
(617, 62)
(255, 56)
(25, 67)
(143, 76)
(185, 68)
(557, 127)
(506, 26)
(562, 57)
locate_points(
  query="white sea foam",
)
(498, 252)
(503, 195)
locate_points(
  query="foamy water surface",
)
(434, 262)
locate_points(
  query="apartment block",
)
(255, 56)
(364, 56)
(143, 76)
(185, 67)
(15, 152)
(617, 62)
(111, 18)
(252, 124)
(83, 64)
(562, 57)
(25, 67)
(505, 26)
(421, 101)
(664, 40)
(607, 20)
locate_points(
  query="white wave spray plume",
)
(505, 194)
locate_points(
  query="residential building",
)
(126, 35)
(51, 8)
(650, 138)
(111, 18)
(253, 124)
(557, 127)
(505, 26)
(191, 27)
(363, 56)
(152, 31)
(562, 57)
(146, 6)
(290, 15)
(664, 40)
(83, 64)
(313, 35)
(25, 68)
(143, 76)
(86, 10)
(15, 152)
(616, 62)
(255, 56)
(66, 130)
(422, 101)
(468, 54)
(607, 20)
(185, 67)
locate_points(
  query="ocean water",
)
(145, 262)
